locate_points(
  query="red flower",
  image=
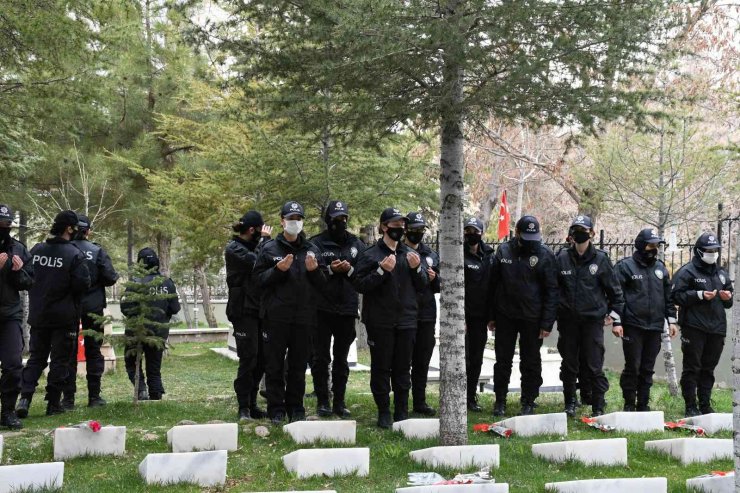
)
(94, 426)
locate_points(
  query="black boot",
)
(473, 404)
(10, 420)
(256, 412)
(143, 395)
(322, 408)
(425, 409)
(528, 407)
(24, 404)
(340, 408)
(278, 418)
(642, 403)
(598, 405)
(705, 402)
(384, 420)
(297, 416)
(96, 401)
(54, 407)
(629, 402)
(400, 406)
(499, 408)
(244, 414)
(68, 402)
(692, 410)
(570, 405)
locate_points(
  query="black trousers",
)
(57, 345)
(476, 336)
(530, 362)
(250, 349)
(151, 365)
(586, 337)
(422, 354)
(391, 350)
(701, 353)
(641, 348)
(11, 362)
(94, 361)
(342, 328)
(285, 392)
(585, 379)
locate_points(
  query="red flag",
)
(504, 218)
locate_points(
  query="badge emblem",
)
(430, 262)
(353, 252)
(593, 269)
(530, 226)
(311, 254)
(533, 260)
(4, 210)
(722, 279)
(339, 205)
(659, 273)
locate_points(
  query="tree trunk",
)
(23, 237)
(205, 291)
(519, 195)
(490, 204)
(736, 368)
(186, 310)
(164, 247)
(453, 382)
(139, 353)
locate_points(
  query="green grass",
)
(199, 388)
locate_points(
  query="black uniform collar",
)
(703, 266)
(382, 245)
(479, 254)
(249, 244)
(589, 254)
(299, 244)
(56, 240)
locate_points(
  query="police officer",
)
(390, 277)
(337, 310)
(16, 275)
(523, 290)
(289, 272)
(477, 272)
(242, 309)
(589, 293)
(427, 314)
(164, 309)
(102, 274)
(61, 280)
(646, 285)
(703, 291)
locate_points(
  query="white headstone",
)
(2, 440)
(79, 442)
(637, 422)
(201, 468)
(538, 424)
(712, 423)
(328, 462)
(712, 484)
(457, 488)
(322, 431)
(689, 450)
(30, 477)
(193, 438)
(616, 485)
(418, 428)
(609, 451)
(458, 456)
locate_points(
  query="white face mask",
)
(293, 227)
(709, 258)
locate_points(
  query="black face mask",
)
(395, 234)
(415, 237)
(648, 256)
(581, 236)
(529, 245)
(4, 234)
(337, 229)
(472, 239)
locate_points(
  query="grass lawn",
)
(199, 388)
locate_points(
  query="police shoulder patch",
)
(430, 262)
(593, 269)
(533, 260)
(722, 279)
(353, 252)
(659, 273)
